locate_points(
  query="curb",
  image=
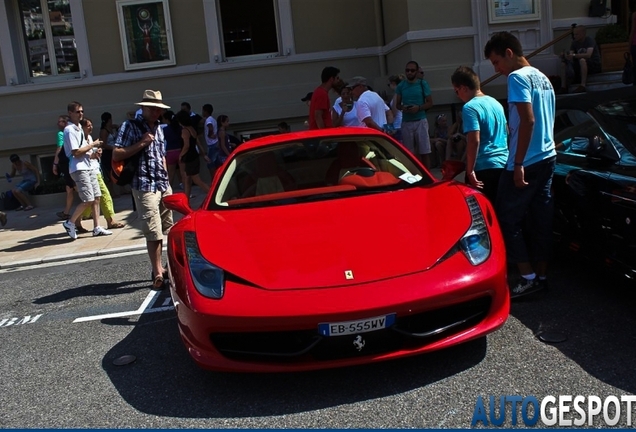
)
(70, 257)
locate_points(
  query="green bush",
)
(51, 186)
(611, 33)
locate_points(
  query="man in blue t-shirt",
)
(524, 187)
(486, 133)
(413, 98)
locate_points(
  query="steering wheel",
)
(361, 171)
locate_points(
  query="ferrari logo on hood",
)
(348, 274)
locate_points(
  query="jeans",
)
(526, 213)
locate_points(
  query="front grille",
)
(408, 332)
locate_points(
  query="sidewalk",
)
(37, 236)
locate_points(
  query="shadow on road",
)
(164, 381)
(94, 290)
(596, 313)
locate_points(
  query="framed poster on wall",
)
(513, 10)
(146, 34)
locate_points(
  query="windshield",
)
(316, 169)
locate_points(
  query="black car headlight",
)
(209, 280)
(476, 242)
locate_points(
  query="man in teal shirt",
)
(413, 98)
(486, 131)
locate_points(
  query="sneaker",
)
(99, 231)
(524, 287)
(70, 229)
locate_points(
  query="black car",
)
(595, 179)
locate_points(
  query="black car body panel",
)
(595, 178)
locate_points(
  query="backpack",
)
(62, 159)
(9, 202)
(123, 171)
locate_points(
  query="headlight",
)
(209, 280)
(476, 242)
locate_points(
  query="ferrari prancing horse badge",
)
(348, 274)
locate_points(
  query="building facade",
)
(252, 59)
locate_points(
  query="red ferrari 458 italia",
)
(331, 248)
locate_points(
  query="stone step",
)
(602, 81)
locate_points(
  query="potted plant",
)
(612, 42)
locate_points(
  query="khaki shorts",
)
(415, 137)
(87, 185)
(155, 218)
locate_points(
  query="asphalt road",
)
(57, 373)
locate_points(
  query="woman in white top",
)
(343, 112)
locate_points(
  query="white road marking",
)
(142, 309)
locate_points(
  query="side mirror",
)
(178, 202)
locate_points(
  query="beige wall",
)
(396, 18)
(324, 25)
(102, 28)
(434, 14)
(570, 8)
(248, 101)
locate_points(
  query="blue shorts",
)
(26, 186)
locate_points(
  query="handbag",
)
(628, 70)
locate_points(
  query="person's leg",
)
(154, 253)
(196, 179)
(564, 77)
(106, 202)
(449, 148)
(20, 192)
(511, 207)
(149, 211)
(424, 143)
(408, 136)
(542, 212)
(583, 69)
(95, 209)
(17, 193)
(69, 199)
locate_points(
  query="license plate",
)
(355, 327)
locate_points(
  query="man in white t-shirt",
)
(80, 152)
(371, 109)
(210, 131)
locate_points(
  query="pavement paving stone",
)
(37, 236)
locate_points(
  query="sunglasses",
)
(79, 112)
(410, 70)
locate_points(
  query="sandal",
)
(27, 208)
(158, 283)
(80, 229)
(115, 225)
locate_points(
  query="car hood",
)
(335, 242)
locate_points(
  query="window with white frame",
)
(49, 40)
(248, 27)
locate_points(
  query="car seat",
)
(266, 177)
(347, 156)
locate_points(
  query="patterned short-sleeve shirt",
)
(151, 176)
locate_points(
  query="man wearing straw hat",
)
(150, 182)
